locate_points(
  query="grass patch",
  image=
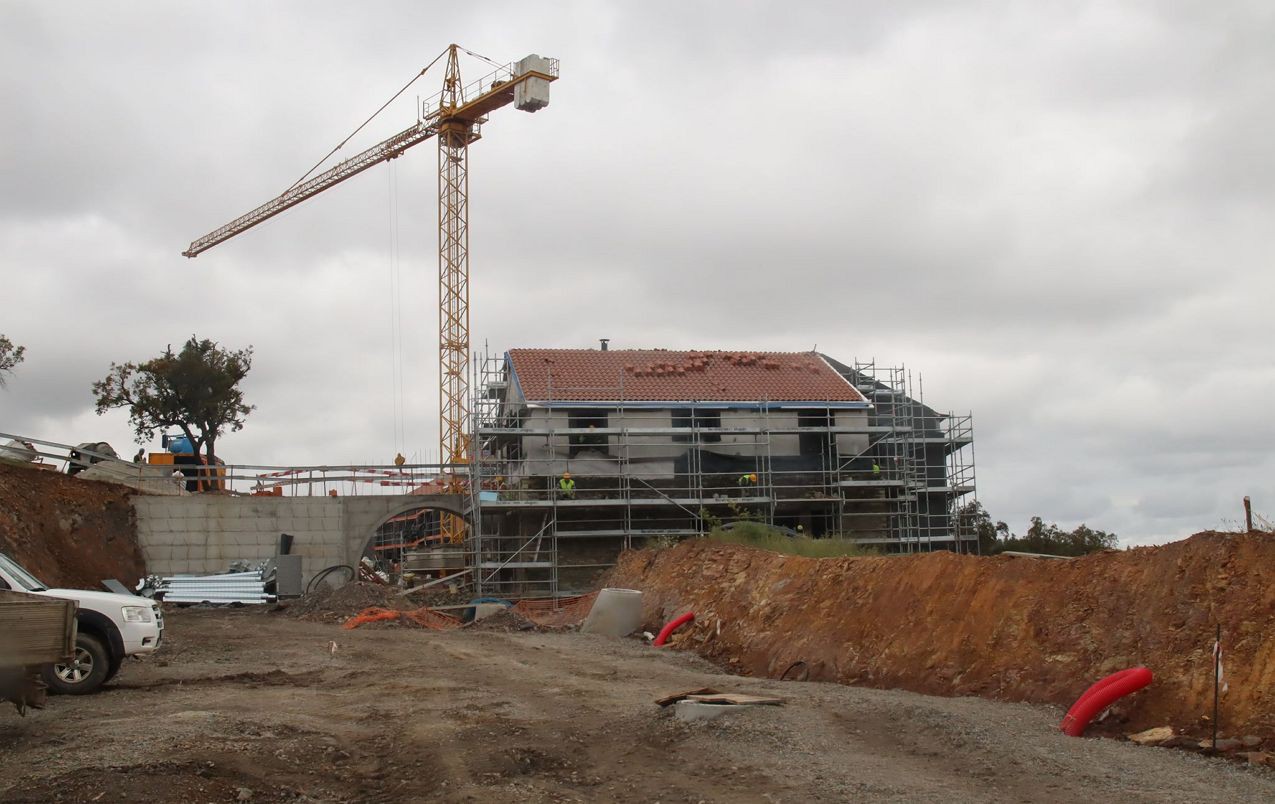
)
(756, 534)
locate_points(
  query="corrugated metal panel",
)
(230, 587)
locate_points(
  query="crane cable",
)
(484, 58)
(362, 125)
(395, 262)
(396, 314)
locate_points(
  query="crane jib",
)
(467, 113)
(381, 152)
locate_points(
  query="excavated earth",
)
(68, 532)
(1007, 628)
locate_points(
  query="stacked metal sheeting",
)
(231, 587)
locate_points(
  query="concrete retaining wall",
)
(204, 533)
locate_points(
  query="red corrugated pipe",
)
(672, 626)
(1101, 695)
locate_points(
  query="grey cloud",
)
(1057, 214)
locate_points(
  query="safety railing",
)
(258, 479)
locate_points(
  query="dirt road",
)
(252, 706)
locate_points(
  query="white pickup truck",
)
(110, 626)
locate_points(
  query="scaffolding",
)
(891, 476)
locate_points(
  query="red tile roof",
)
(657, 375)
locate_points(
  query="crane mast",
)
(454, 117)
(454, 137)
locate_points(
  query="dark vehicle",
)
(86, 454)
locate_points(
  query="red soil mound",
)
(1000, 627)
(68, 532)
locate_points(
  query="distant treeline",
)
(1041, 537)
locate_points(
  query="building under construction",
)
(580, 453)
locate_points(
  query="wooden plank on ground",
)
(734, 698)
(672, 699)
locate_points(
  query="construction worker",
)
(876, 471)
(567, 486)
(747, 482)
(140, 457)
(399, 460)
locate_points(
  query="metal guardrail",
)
(292, 480)
(64, 450)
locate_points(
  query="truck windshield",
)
(23, 579)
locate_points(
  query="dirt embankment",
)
(1007, 628)
(68, 532)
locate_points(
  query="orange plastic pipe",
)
(672, 626)
(1100, 695)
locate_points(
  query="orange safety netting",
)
(372, 615)
(426, 618)
(558, 612)
(554, 613)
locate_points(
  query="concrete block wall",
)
(201, 534)
(204, 534)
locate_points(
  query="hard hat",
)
(752, 476)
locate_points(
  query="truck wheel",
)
(85, 672)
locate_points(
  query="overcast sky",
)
(1059, 214)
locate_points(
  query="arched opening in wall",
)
(408, 549)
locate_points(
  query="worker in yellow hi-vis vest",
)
(567, 486)
(747, 484)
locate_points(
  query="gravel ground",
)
(251, 706)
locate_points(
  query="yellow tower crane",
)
(454, 117)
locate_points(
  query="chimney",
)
(604, 342)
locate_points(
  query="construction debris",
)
(505, 620)
(425, 618)
(710, 697)
(337, 604)
(735, 699)
(680, 696)
(1154, 736)
(709, 705)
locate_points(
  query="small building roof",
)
(659, 375)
